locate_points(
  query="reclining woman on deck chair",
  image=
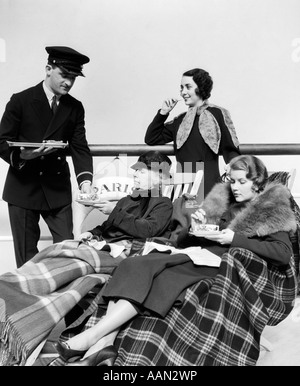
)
(70, 267)
(169, 311)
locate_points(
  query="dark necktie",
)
(54, 104)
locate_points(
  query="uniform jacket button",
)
(42, 157)
(41, 173)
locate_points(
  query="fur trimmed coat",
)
(269, 213)
(262, 226)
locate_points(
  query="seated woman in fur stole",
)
(236, 302)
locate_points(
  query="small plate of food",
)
(202, 230)
(95, 198)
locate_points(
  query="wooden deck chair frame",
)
(181, 183)
(290, 179)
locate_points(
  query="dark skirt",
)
(155, 282)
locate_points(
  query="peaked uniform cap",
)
(68, 59)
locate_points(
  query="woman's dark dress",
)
(156, 282)
(194, 150)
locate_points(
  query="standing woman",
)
(199, 135)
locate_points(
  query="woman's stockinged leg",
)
(106, 340)
(117, 314)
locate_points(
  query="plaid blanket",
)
(35, 297)
(221, 320)
(219, 323)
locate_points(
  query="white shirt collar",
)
(49, 94)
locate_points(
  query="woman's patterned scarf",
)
(208, 126)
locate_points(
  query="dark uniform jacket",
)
(43, 183)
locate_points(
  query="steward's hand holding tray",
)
(96, 198)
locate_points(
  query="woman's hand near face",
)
(168, 105)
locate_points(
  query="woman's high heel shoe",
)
(104, 357)
(67, 353)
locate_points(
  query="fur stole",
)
(269, 213)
